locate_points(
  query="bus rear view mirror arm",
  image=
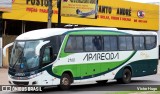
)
(7, 46)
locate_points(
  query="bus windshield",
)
(23, 55)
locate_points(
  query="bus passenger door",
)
(46, 59)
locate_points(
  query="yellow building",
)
(32, 14)
(28, 15)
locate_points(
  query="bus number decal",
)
(71, 59)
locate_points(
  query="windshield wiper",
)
(17, 59)
(23, 60)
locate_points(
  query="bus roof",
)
(41, 33)
(44, 33)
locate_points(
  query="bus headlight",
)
(10, 76)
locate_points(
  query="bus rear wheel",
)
(65, 81)
(126, 77)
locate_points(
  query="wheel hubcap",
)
(65, 81)
(126, 76)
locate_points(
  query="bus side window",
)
(70, 44)
(97, 41)
(107, 44)
(74, 44)
(139, 43)
(79, 43)
(153, 41)
(46, 59)
(88, 43)
(129, 43)
(114, 44)
(136, 43)
(150, 42)
(122, 43)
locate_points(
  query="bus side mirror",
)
(39, 46)
(5, 48)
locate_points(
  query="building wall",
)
(111, 13)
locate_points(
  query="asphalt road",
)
(92, 88)
(110, 87)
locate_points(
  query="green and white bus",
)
(64, 56)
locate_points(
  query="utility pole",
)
(59, 13)
(1, 24)
(50, 12)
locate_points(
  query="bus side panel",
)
(140, 68)
(144, 67)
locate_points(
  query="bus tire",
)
(103, 82)
(126, 77)
(65, 81)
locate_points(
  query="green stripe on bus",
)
(84, 71)
(96, 32)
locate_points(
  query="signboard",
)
(6, 5)
(79, 8)
(111, 13)
(31, 10)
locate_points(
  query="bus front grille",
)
(20, 83)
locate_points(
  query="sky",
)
(144, 1)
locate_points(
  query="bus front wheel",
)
(126, 77)
(65, 81)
